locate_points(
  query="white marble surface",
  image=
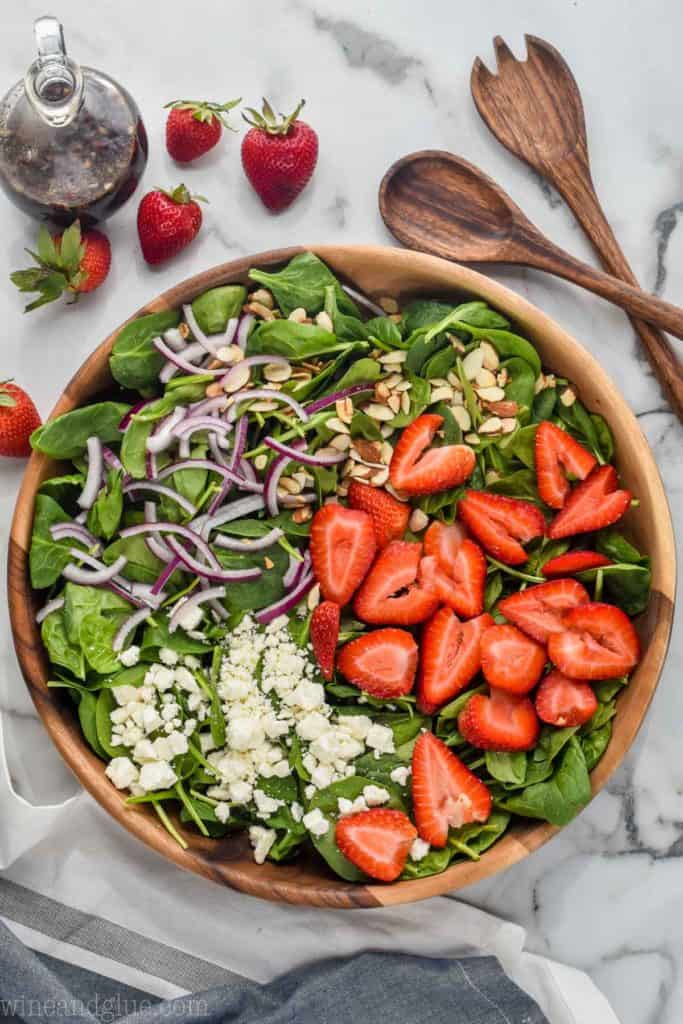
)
(382, 79)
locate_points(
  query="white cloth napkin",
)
(74, 853)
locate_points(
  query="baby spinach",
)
(507, 767)
(48, 557)
(361, 371)
(134, 361)
(384, 331)
(302, 284)
(580, 425)
(64, 489)
(604, 437)
(346, 327)
(87, 716)
(420, 393)
(521, 381)
(249, 595)
(520, 484)
(479, 314)
(506, 343)
(560, 798)
(79, 602)
(595, 743)
(66, 436)
(544, 404)
(142, 566)
(103, 709)
(363, 425)
(626, 585)
(105, 515)
(493, 590)
(96, 635)
(293, 341)
(156, 635)
(60, 649)
(422, 348)
(440, 364)
(423, 313)
(134, 447)
(522, 445)
(471, 840)
(214, 308)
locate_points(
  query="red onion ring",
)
(210, 572)
(181, 362)
(212, 594)
(167, 492)
(286, 603)
(128, 625)
(93, 480)
(268, 394)
(250, 543)
(309, 459)
(243, 330)
(52, 606)
(275, 471)
(92, 578)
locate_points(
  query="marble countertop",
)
(383, 79)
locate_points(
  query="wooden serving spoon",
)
(437, 202)
(534, 109)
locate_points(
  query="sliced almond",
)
(258, 309)
(442, 394)
(508, 425)
(394, 403)
(458, 398)
(275, 373)
(472, 438)
(456, 342)
(502, 378)
(184, 331)
(263, 406)
(473, 362)
(289, 486)
(369, 451)
(381, 413)
(268, 562)
(485, 379)
(493, 425)
(462, 417)
(493, 394)
(438, 382)
(238, 378)
(379, 478)
(405, 402)
(382, 392)
(399, 495)
(506, 408)
(229, 353)
(404, 385)
(336, 424)
(298, 315)
(324, 320)
(347, 467)
(385, 430)
(313, 598)
(388, 304)
(396, 356)
(262, 296)
(341, 442)
(386, 451)
(360, 471)
(260, 462)
(491, 360)
(303, 514)
(214, 390)
(393, 379)
(418, 520)
(327, 452)
(568, 397)
(344, 408)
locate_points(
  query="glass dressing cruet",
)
(72, 142)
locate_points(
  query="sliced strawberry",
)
(501, 525)
(592, 505)
(540, 610)
(342, 547)
(382, 663)
(389, 516)
(324, 635)
(443, 540)
(458, 580)
(501, 721)
(450, 657)
(390, 594)
(377, 841)
(415, 470)
(599, 642)
(510, 660)
(556, 454)
(561, 701)
(446, 794)
(574, 561)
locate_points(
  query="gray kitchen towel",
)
(375, 987)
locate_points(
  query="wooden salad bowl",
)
(376, 271)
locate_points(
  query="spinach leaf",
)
(434, 863)
(604, 436)
(383, 330)
(214, 308)
(580, 424)
(494, 588)
(595, 743)
(449, 712)
(302, 283)
(361, 371)
(452, 434)
(507, 767)
(521, 484)
(134, 447)
(606, 689)
(507, 345)
(551, 743)
(157, 635)
(479, 314)
(421, 348)
(142, 566)
(47, 557)
(420, 393)
(363, 425)
(423, 313)
(544, 404)
(80, 602)
(626, 585)
(134, 362)
(96, 635)
(613, 544)
(64, 489)
(292, 340)
(105, 515)
(346, 328)
(522, 445)
(249, 595)
(66, 436)
(440, 364)
(103, 709)
(471, 840)
(560, 798)
(87, 711)
(60, 650)
(521, 381)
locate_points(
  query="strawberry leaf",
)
(71, 249)
(50, 288)
(47, 250)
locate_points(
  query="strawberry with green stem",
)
(168, 222)
(70, 262)
(18, 419)
(279, 155)
(194, 127)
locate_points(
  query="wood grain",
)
(376, 271)
(534, 109)
(437, 202)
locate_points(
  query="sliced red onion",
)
(191, 424)
(151, 468)
(178, 530)
(240, 440)
(93, 480)
(127, 627)
(213, 467)
(211, 572)
(192, 353)
(74, 531)
(132, 411)
(275, 471)
(308, 458)
(293, 569)
(94, 577)
(154, 543)
(162, 435)
(243, 330)
(222, 540)
(247, 471)
(230, 330)
(337, 396)
(169, 569)
(363, 300)
(174, 338)
(149, 485)
(209, 344)
(181, 362)
(52, 606)
(218, 455)
(81, 518)
(209, 405)
(259, 360)
(297, 500)
(212, 594)
(145, 593)
(111, 458)
(235, 510)
(286, 603)
(266, 393)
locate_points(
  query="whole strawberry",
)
(18, 419)
(194, 127)
(167, 222)
(69, 262)
(278, 156)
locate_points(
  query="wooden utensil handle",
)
(574, 182)
(556, 261)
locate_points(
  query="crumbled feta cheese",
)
(307, 695)
(160, 677)
(316, 822)
(261, 839)
(222, 812)
(419, 849)
(245, 734)
(321, 776)
(192, 662)
(312, 726)
(357, 726)
(375, 796)
(281, 769)
(240, 792)
(162, 749)
(380, 738)
(177, 742)
(157, 775)
(122, 772)
(190, 725)
(169, 711)
(185, 680)
(189, 618)
(168, 656)
(297, 811)
(194, 701)
(309, 791)
(400, 774)
(266, 805)
(151, 719)
(145, 751)
(125, 694)
(130, 656)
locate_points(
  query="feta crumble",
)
(419, 849)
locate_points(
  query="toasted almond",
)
(258, 309)
(344, 408)
(230, 353)
(327, 451)
(261, 461)
(399, 495)
(458, 398)
(418, 520)
(238, 378)
(397, 355)
(297, 500)
(268, 562)
(369, 451)
(324, 320)
(272, 385)
(485, 379)
(405, 385)
(438, 382)
(214, 364)
(342, 490)
(263, 296)
(462, 417)
(360, 471)
(502, 378)
(263, 406)
(405, 402)
(214, 390)
(492, 475)
(341, 442)
(301, 376)
(472, 438)
(395, 318)
(453, 379)
(381, 391)
(385, 430)
(382, 413)
(493, 394)
(335, 423)
(493, 425)
(388, 304)
(298, 315)
(506, 408)
(386, 451)
(491, 360)
(568, 397)
(392, 380)
(379, 478)
(303, 514)
(457, 343)
(394, 403)
(301, 477)
(289, 486)
(442, 394)
(472, 363)
(184, 331)
(277, 373)
(508, 425)
(313, 598)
